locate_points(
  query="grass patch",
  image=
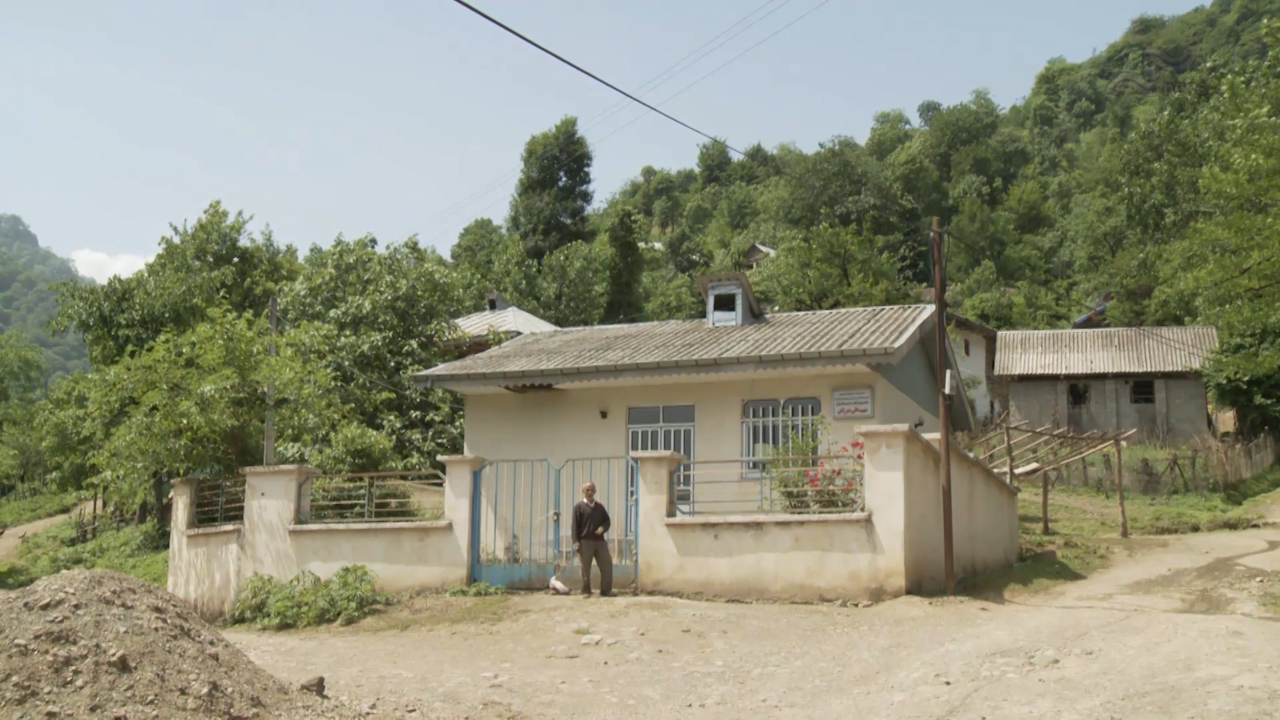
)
(138, 550)
(308, 601)
(1084, 528)
(480, 589)
(15, 511)
(433, 611)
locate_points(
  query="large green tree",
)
(549, 208)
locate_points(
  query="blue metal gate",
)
(521, 519)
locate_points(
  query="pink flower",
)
(860, 456)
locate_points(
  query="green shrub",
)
(306, 600)
(480, 589)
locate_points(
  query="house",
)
(687, 429)
(756, 253)
(717, 387)
(500, 317)
(1109, 379)
(974, 345)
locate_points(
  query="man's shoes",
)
(606, 594)
(586, 596)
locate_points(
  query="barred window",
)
(773, 423)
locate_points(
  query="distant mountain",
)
(26, 300)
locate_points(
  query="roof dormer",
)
(730, 302)
(494, 301)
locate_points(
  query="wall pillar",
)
(459, 480)
(890, 478)
(181, 518)
(654, 504)
(270, 507)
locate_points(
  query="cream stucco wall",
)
(566, 423)
(207, 566)
(894, 546)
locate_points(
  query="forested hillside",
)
(26, 300)
(1149, 172)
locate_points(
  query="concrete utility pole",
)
(944, 405)
(269, 427)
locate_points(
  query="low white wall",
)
(893, 547)
(207, 566)
(984, 511)
(403, 555)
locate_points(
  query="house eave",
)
(632, 372)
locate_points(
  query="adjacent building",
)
(1110, 379)
(975, 349)
(500, 320)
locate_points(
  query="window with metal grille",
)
(1142, 392)
(776, 424)
(666, 427)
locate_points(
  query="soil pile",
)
(101, 644)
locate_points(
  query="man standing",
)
(590, 523)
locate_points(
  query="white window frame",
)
(766, 422)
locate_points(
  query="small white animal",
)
(558, 587)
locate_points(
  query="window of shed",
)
(1142, 392)
(966, 347)
(1078, 394)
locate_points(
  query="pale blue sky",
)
(381, 116)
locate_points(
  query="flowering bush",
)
(802, 480)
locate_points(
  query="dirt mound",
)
(102, 644)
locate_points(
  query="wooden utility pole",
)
(269, 427)
(1124, 519)
(944, 406)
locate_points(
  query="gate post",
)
(459, 483)
(654, 504)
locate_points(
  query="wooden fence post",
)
(1008, 451)
(1124, 519)
(1044, 502)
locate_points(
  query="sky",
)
(407, 117)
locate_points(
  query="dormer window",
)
(724, 308)
(493, 301)
(729, 300)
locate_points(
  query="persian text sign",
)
(853, 403)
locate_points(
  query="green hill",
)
(26, 300)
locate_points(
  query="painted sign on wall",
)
(853, 403)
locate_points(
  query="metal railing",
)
(219, 501)
(813, 484)
(372, 497)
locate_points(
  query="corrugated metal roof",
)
(1104, 351)
(507, 320)
(679, 343)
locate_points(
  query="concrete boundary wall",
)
(893, 547)
(208, 565)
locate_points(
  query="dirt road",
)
(1179, 631)
(13, 536)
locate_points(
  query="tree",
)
(625, 266)
(549, 208)
(713, 161)
(477, 245)
(572, 286)
(376, 318)
(214, 263)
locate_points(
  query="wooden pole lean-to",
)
(944, 407)
(1124, 518)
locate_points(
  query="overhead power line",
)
(593, 76)
(672, 71)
